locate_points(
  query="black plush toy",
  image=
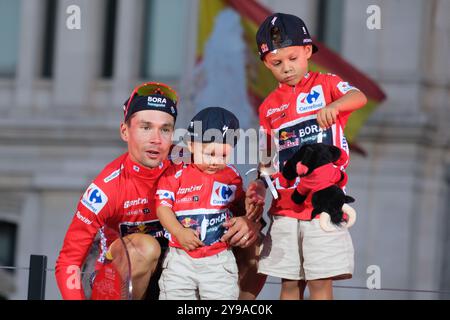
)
(318, 166)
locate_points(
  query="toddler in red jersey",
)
(194, 201)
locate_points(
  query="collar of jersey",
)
(286, 87)
(142, 171)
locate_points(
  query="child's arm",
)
(351, 101)
(187, 237)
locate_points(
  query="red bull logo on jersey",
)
(222, 194)
(189, 222)
(313, 100)
(94, 199)
(285, 135)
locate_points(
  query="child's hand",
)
(326, 117)
(254, 200)
(188, 238)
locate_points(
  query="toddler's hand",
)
(188, 238)
(326, 117)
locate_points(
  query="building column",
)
(30, 55)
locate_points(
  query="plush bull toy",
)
(318, 166)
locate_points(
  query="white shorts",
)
(300, 250)
(209, 278)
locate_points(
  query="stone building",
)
(61, 92)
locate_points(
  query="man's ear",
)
(124, 131)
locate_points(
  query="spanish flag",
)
(260, 81)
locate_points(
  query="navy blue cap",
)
(214, 118)
(282, 30)
(152, 102)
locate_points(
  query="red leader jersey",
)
(120, 200)
(202, 202)
(289, 116)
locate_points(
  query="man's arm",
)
(78, 240)
(242, 232)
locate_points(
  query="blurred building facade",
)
(61, 93)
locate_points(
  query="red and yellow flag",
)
(260, 81)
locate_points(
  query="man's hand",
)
(326, 117)
(254, 200)
(188, 238)
(242, 232)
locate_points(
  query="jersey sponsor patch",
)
(222, 194)
(83, 218)
(94, 198)
(209, 226)
(165, 194)
(113, 175)
(314, 100)
(345, 87)
(271, 111)
(151, 227)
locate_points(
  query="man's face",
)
(149, 136)
(290, 64)
(210, 157)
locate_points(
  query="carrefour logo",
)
(311, 101)
(94, 198)
(222, 194)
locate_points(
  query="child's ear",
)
(309, 50)
(267, 64)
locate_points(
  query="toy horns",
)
(325, 224)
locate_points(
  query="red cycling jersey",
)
(119, 200)
(289, 116)
(202, 202)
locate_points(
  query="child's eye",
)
(146, 128)
(293, 58)
(276, 63)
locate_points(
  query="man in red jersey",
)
(121, 199)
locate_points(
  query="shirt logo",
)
(138, 201)
(275, 110)
(94, 199)
(222, 194)
(189, 189)
(313, 100)
(344, 87)
(166, 194)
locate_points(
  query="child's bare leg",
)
(292, 289)
(321, 289)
